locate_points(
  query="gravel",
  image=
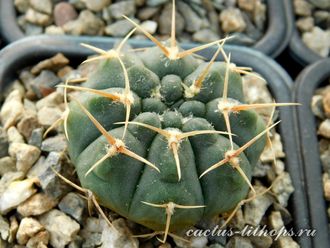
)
(321, 106)
(104, 17)
(31, 190)
(313, 24)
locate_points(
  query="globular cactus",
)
(162, 138)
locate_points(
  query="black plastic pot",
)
(272, 43)
(307, 82)
(31, 50)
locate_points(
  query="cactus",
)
(162, 138)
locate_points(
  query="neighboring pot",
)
(30, 50)
(297, 48)
(307, 82)
(275, 39)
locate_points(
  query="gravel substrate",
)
(313, 23)
(321, 109)
(197, 20)
(38, 209)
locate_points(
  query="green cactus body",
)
(159, 89)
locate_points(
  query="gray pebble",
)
(49, 181)
(193, 22)
(36, 137)
(119, 29)
(73, 205)
(117, 10)
(322, 4)
(54, 144)
(153, 3)
(165, 24)
(205, 36)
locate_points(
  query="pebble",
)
(154, 3)
(247, 5)
(231, 20)
(260, 15)
(36, 137)
(32, 29)
(25, 155)
(322, 4)
(287, 242)
(48, 115)
(37, 18)
(317, 106)
(165, 25)
(324, 128)
(27, 124)
(305, 24)
(256, 209)
(12, 109)
(73, 205)
(36, 205)
(13, 228)
(194, 242)
(326, 103)
(149, 26)
(54, 30)
(86, 24)
(4, 228)
(205, 36)
(119, 28)
(326, 189)
(54, 99)
(39, 240)
(261, 241)
(118, 9)
(49, 181)
(54, 63)
(61, 227)
(147, 13)
(54, 144)
(283, 188)
(8, 178)
(45, 83)
(96, 5)
(121, 237)
(7, 164)
(239, 242)
(22, 5)
(193, 22)
(16, 193)
(28, 227)
(44, 6)
(302, 8)
(3, 143)
(276, 150)
(63, 13)
(14, 136)
(92, 240)
(322, 46)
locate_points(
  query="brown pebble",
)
(63, 13)
(326, 103)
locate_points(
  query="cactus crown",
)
(161, 137)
